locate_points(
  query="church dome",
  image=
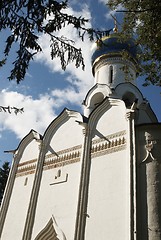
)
(112, 46)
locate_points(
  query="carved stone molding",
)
(26, 170)
(130, 115)
(27, 162)
(150, 142)
(149, 146)
(109, 137)
(64, 157)
(109, 144)
(101, 146)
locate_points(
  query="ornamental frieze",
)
(101, 146)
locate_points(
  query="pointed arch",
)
(129, 93)
(18, 152)
(97, 88)
(32, 135)
(63, 117)
(95, 96)
(128, 90)
(48, 232)
(51, 231)
(106, 104)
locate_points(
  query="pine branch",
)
(26, 19)
(11, 109)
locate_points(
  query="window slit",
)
(111, 74)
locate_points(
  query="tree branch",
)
(10, 109)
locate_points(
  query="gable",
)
(48, 233)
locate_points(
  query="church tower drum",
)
(114, 60)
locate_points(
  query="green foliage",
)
(142, 19)
(27, 19)
(4, 172)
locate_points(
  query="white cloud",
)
(79, 81)
(69, 95)
(111, 12)
(38, 113)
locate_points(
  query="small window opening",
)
(26, 180)
(96, 100)
(129, 98)
(58, 174)
(111, 74)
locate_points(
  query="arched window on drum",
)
(111, 74)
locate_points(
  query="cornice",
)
(109, 144)
(105, 59)
(116, 142)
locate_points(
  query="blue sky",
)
(47, 90)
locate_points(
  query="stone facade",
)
(90, 176)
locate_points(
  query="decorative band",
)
(102, 146)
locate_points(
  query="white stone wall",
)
(59, 199)
(17, 210)
(18, 189)
(58, 184)
(58, 193)
(109, 202)
(68, 135)
(30, 152)
(109, 187)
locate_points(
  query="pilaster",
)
(130, 116)
(27, 233)
(84, 184)
(153, 180)
(8, 191)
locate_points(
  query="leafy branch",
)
(142, 19)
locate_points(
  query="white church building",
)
(91, 176)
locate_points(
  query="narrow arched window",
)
(26, 180)
(110, 74)
(59, 173)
